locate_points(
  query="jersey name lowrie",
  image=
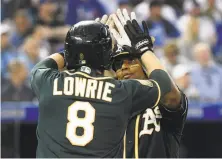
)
(83, 87)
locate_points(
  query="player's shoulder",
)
(43, 76)
(129, 83)
(78, 75)
(73, 73)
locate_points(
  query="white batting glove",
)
(119, 33)
(106, 20)
(120, 19)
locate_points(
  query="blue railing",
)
(28, 112)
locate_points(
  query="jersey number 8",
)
(85, 123)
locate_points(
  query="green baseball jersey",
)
(83, 114)
(156, 132)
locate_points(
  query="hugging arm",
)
(142, 46)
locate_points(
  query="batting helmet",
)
(88, 43)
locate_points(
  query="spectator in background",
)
(15, 89)
(160, 28)
(217, 49)
(181, 75)
(33, 50)
(53, 27)
(47, 13)
(6, 13)
(213, 10)
(8, 7)
(125, 4)
(23, 27)
(195, 28)
(109, 6)
(142, 11)
(8, 52)
(79, 10)
(172, 57)
(207, 75)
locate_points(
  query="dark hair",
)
(156, 3)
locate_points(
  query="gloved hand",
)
(140, 39)
(129, 31)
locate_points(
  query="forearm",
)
(54, 61)
(151, 62)
(142, 44)
(59, 59)
(170, 95)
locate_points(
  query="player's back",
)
(82, 116)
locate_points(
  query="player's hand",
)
(107, 20)
(140, 39)
(118, 31)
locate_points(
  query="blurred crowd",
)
(188, 39)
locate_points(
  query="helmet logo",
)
(81, 56)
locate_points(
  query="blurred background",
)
(188, 37)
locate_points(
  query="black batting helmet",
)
(88, 43)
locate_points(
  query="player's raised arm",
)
(142, 46)
(46, 69)
(54, 61)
